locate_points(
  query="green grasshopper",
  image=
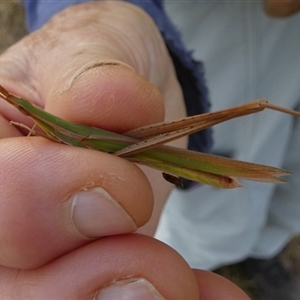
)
(144, 145)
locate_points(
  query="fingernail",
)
(93, 65)
(94, 213)
(133, 289)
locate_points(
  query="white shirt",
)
(247, 56)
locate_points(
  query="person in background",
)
(68, 215)
(250, 51)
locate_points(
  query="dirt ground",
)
(13, 28)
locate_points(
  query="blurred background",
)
(13, 28)
(12, 24)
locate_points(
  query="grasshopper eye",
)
(23, 110)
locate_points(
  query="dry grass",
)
(12, 28)
(12, 24)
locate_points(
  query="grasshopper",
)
(145, 145)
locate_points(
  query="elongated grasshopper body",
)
(144, 145)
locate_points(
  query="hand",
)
(281, 9)
(67, 214)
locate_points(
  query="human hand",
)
(67, 213)
(281, 9)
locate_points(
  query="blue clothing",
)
(189, 72)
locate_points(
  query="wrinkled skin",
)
(90, 64)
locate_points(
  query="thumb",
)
(74, 66)
(108, 95)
